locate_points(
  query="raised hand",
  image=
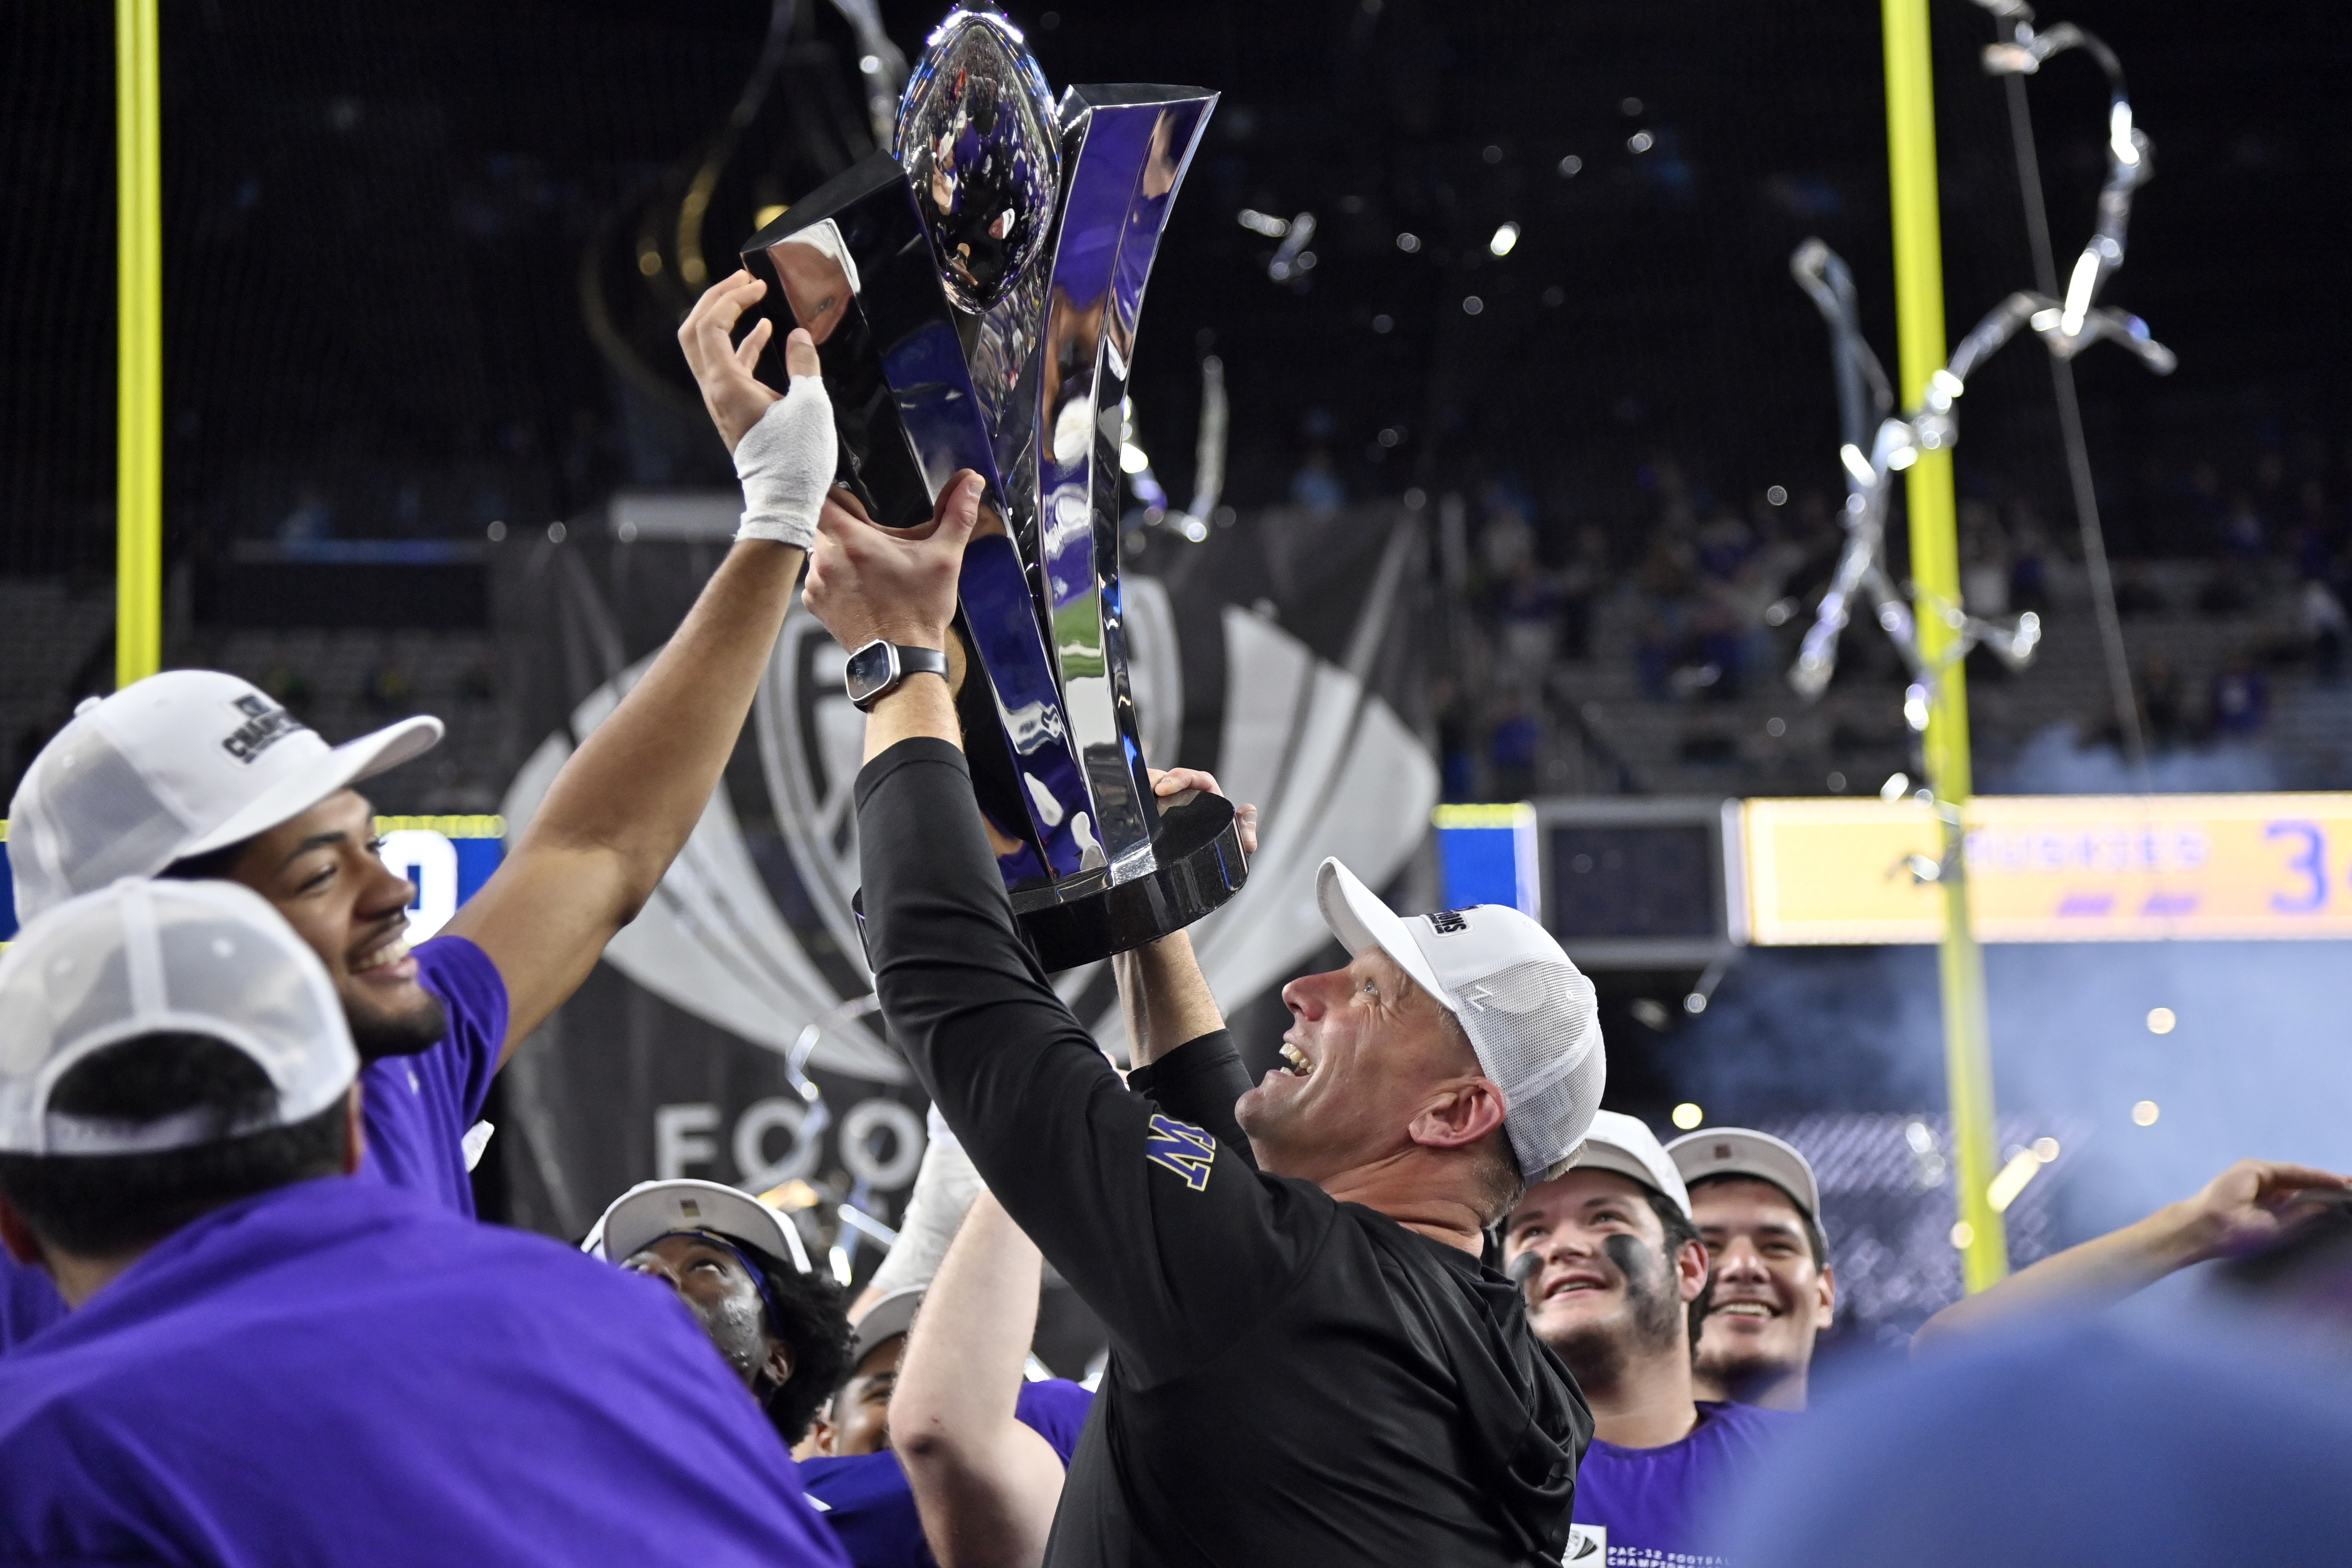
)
(724, 369)
(896, 584)
(1176, 786)
(2251, 1204)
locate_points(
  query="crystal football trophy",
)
(974, 297)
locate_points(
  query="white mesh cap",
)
(180, 763)
(1625, 1145)
(1530, 1013)
(651, 1210)
(145, 957)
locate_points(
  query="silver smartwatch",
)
(879, 668)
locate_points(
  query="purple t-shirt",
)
(418, 1108)
(1659, 1506)
(867, 1499)
(337, 1372)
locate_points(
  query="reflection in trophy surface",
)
(977, 139)
(818, 277)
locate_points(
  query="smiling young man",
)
(1310, 1364)
(195, 774)
(1616, 1282)
(1771, 1289)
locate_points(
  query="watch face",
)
(870, 671)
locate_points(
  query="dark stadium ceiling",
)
(422, 257)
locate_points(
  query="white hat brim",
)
(297, 793)
(1602, 1151)
(885, 1321)
(1358, 919)
(1754, 1156)
(650, 1210)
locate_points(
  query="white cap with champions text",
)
(1625, 1145)
(178, 764)
(146, 958)
(1744, 1152)
(1530, 1013)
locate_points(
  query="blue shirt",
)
(1660, 1504)
(869, 1502)
(337, 1372)
(418, 1108)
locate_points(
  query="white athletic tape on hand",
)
(786, 464)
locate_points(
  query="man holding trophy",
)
(1310, 1363)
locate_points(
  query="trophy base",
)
(1199, 851)
(1201, 864)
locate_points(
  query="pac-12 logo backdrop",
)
(1331, 766)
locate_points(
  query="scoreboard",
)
(2164, 868)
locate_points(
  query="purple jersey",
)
(337, 1372)
(418, 1108)
(867, 1499)
(1659, 1505)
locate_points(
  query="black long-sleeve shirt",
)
(1294, 1380)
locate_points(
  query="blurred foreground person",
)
(1616, 1282)
(1770, 1289)
(740, 1268)
(1310, 1364)
(195, 774)
(2209, 1435)
(271, 1364)
(2248, 1207)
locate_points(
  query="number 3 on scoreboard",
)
(2311, 863)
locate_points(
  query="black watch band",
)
(879, 668)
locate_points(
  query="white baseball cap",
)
(144, 957)
(1744, 1152)
(1530, 1013)
(890, 1317)
(1625, 1145)
(180, 763)
(651, 1210)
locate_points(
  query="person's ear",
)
(1825, 1309)
(1690, 1269)
(16, 1236)
(1460, 1114)
(822, 1433)
(354, 1128)
(778, 1367)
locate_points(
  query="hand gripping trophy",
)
(974, 295)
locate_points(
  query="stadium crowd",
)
(1415, 1296)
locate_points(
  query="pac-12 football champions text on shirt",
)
(1658, 1506)
(418, 1108)
(867, 1499)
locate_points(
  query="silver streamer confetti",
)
(1871, 459)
